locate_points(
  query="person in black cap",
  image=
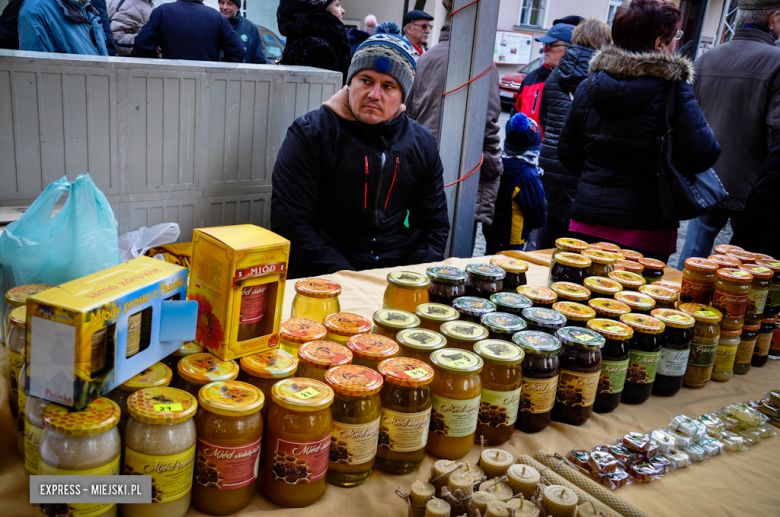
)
(247, 32)
(417, 27)
(570, 20)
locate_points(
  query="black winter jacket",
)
(314, 37)
(9, 25)
(249, 35)
(343, 207)
(560, 185)
(609, 139)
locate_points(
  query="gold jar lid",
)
(395, 319)
(673, 318)
(570, 291)
(774, 265)
(271, 364)
(421, 340)
(300, 330)
(457, 362)
(743, 256)
(498, 352)
(757, 270)
(231, 398)
(643, 324)
(405, 371)
(510, 264)
(601, 285)
(18, 317)
(650, 263)
(573, 245)
(637, 301)
(323, 354)
(161, 406)
(723, 249)
(17, 296)
(631, 254)
(372, 347)
(606, 246)
(301, 394)
(720, 261)
(609, 307)
(574, 311)
(614, 330)
(735, 275)
(464, 331)
(627, 278)
(572, 260)
(676, 288)
(408, 280)
(189, 348)
(538, 294)
(659, 293)
(600, 257)
(629, 265)
(317, 288)
(701, 312)
(352, 380)
(157, 375)
(436, 313)
(98, 417)
(346, 324)
(205, 368)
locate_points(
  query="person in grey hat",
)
(738, 87)
(247, 31)
(347, 173)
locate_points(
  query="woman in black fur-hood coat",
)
(315, 37)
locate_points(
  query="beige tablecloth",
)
(733, 484)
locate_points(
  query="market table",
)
(732, 484)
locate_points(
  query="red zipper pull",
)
(365, 187)
(397, 159)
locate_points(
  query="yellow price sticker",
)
(775, 264)
(706, 313)
(614, 328)
(584, 337)
(676, 317)
(740, 273)
(417, 372)
(307, 393)
(167, 408)
(761, 269)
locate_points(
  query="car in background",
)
(509, 86)
(274, 45)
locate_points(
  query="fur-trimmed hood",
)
(622, 64)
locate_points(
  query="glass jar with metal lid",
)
(265, 369)
(727, 351)
(388, 322)
(405, 291)
(628, 280)
(483, 280)
(197, 370)
(356, 412)
(725, 261)
(569, 267)
(645, 346)
(405, 414)
(540, 296)
(463, 334)
(21, 402)
(296, 445)
(745, 257)
(160, 439)
(763, 343)
(456, 391)
(653, 269)
(540, 379)
(664, 298)
(668, 285)
(602, 262)
(502, 380)
(580, 372)
(724, 249)
(606, 246)
(566, 245)
(570, 292)
(432, 315)
(82, 442)
(704, 347)
(614, 362)
(503, 325)
(156, 376)
(759, 292)
(343, 325)
(315, 357)
(229, 424)
(315, 298)
(371, 349)
(447, 283)
(293, 332)
(747, 344)
(601, 287)
(544, 320)
(639, 303)
(676, 349)
(515, 271)
(577, 314)
(512, 303)
(419, 343)
(731, 296)
(608, 308)
(15, 346)
(761, 257)
(631, 254)
(629, 265)
(172, 361)
(772, 307)
(17, 297)
(472, 308)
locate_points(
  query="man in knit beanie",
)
(348, 173)
(245, 30)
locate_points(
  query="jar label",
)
(133, 335)
(404, 432)
(226, 467)
(642, 366)
(353, 444)
(499, 408)
(252, 304)
(577, 389)
(613, 376)
(673, 362)
(775, 340)
(703, 354)
(763, 343)
(538, 395)
(745, 351)
(15, 363)
(171, 475)
(732, 306)
(757, 301)
(32, 441)
(773, 298)
(696, 292)
(82, 509)
(724, 360)
(301, 462)
(454, 418)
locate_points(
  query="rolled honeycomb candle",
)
(523, 507)
(437, 508)
(495, 462)
(498, 509)
(480, 500)
(589, 510)
(475, 471)
(422, 492)
(461, 480)
(559, 501)
(501, 491)
(440, 468)
(523, 479)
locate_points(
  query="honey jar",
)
(502, 379)
(432, 315)
(743, 256)
(728, 344)
(576, 314)
(463, 334)
(606, 246)
(484, 280)
(664, 298)
(601, 287)
(602, 262)
(541, 366)
(419, 343)
(566, 245)
(676, 348)
(265, 369)
(387, 322)
(639, 303)
(472, 308)
(569, 267)
(512, 303)
(156, 376)
(645, 346)
(631, 254)
(569, 292)
(15, 346)
(502, 325)
(539, 296)
(629, 265)
(724, 249)
(628, 280)
(405, 291)
(580, 373)
(293, 332)
(515, 271)
(759, 292)
(763, 343)
(17, 297)
(731, 295)
(653, 269)
(315, 357)
(447, 283)
(371, 349)
(614, 362)
(544, 320)
(315, 298)
(747, 344)
(772, 307)
(608, 308)
(704, 347)
(172, 361)
(343, 325)
(197, 370)
(725, 261)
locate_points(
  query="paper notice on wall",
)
(513, 48)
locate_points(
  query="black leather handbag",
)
(682, 197)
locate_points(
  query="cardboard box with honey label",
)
(237, 277)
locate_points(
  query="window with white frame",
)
(612, 9)
(531, 12)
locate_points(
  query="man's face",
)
(417, 32)
(373, 97)
(371, 27)
(228, 8)
(774, 24)
(553, 52)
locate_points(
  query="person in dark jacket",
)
(315, 35)
(187, 29)
(347, 174)
(357, 36)
(63, 26)
(609, 139)
(559, 185)
(246, 30)
(9, 25)
(520, 206)
(100, 7)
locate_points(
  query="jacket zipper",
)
(395, 173)
(378, 193)
(536, 99)
(365, 187)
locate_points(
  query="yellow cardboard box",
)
(237, 277)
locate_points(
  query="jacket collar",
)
(339, 103)
(235, 21)
(748, 34)
(75, 14)
(623, 64)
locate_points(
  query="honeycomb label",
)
(226, 467)
(577, 389)
(454, 418)
(499, 408)
(79, 509)
(353, 444)
(296, 463)
(404, 432)
(538, 395)
(613, 377)
(642, 366)
(171, 475)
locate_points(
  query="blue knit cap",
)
(387, 53)
(522, 134)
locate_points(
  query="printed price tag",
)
(706, 313)
(167, 408)
(307, 393)
(418, 372)
(676, 317)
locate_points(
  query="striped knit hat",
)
(388, 53)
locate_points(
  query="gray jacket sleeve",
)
(125, 25)
(493, 165)
(773, 114)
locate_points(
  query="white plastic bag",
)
(134, 244)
